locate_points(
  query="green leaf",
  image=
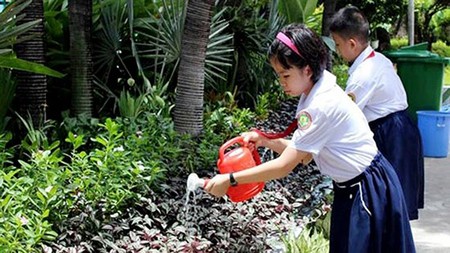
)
(6, 200)
(5, 36)
(329, 42)
(5, 51)
(46, 213)
(50, 235)
(297, 11)
(14, 63)
(11, 174)
(101, 140)
(41, 195)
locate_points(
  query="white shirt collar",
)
(361, 57)
(326, 82)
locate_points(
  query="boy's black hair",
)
(311, 47)
(350, 22)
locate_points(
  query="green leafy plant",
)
(29, 196)
(262, 106)
(110, 43)
(36, 138)
(309, 240)
(441, 22)
(130, 106)
(159, 43)
(6, 154)
(8, 37)
(297, 11)
(158, 99)
(254, 24)
(340, 70)
(24, 213)
(397, 43)
(439, 47)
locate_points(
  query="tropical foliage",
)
(297, 11)
(115, 181)
(9, 32)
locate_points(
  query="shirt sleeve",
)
(361, 89)
(313, 131)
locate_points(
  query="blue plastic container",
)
(434, 127)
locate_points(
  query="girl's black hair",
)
(350, 22)
(311, 47)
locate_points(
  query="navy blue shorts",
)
(398, 139)
(369, 213)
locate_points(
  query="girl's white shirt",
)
(337, 135)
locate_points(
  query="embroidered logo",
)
(304, 120)
(352, 96)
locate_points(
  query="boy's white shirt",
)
(375, 86)
(338, 135)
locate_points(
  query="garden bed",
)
(165, 222)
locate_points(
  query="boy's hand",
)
(218, 185)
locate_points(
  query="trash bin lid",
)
(420, 46)
(409, 54)
(416, 55)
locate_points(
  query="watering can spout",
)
(194, 182)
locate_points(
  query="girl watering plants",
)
(369, 212)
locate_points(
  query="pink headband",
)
(288, 42)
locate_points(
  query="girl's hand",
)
(253, 138)
(218, 185)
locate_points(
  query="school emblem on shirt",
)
(352, 96)
(304, 120)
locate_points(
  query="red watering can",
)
(237, 159)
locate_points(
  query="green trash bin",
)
(422, 75)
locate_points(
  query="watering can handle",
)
(239, 140)
(256, 156)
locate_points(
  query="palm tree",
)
(31, 91)
(188, 112)
(80, 16)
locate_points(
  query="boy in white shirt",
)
(375, 87)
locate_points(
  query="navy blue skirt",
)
(369, 213)
(398, 139)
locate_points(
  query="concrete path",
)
(432, 230)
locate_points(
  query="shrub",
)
(440, 48)
(341, 73)
(309, 240)
(397, 43)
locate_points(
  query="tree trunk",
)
(80, 15)
(31, 91)
(188, 112)
(329, 8)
